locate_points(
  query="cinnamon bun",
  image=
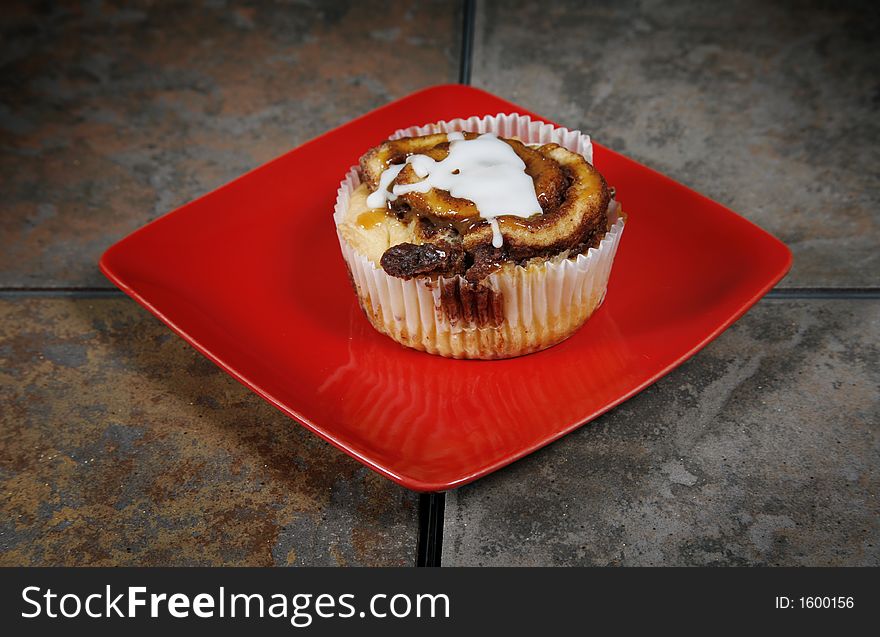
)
(481, 238)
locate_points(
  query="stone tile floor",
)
(120, 445)
(760, 450)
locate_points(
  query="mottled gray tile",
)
(761, 450)
(114, 113)
(120, 445)
(771, 108)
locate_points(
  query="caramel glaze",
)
(370, 218)
(573, 197)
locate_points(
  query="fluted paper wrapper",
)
(541, 304)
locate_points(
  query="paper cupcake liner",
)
(540, 305)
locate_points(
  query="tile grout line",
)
(468, 20)
(60, 292)
(817, 293)
(432, 507)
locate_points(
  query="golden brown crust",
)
(396, 151)
(573, 196)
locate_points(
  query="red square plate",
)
(251, 275)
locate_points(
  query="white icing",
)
(484, 170)
(382, 195)
(497, 237)
(421, 165)
(454, 136)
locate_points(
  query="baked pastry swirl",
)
(451, 238)
(484, 238)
